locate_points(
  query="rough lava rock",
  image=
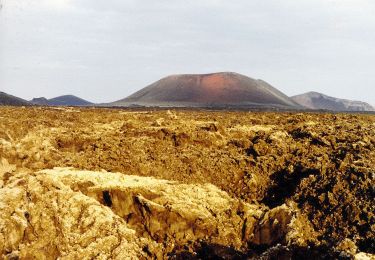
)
(303, 181)
(72, 214)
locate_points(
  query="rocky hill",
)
(66, 100)
(315, 100)
(9, 100)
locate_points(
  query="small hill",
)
(209, 90)
(9, 100)
(40, 101)
(315, 100)
(67, 100)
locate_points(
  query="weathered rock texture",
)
(304, 181)
(81, 214)
(41, 218)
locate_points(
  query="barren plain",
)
(86, 183)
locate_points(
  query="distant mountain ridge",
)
(220, 90)
(315, 100)
(66, 100)
(212, 90)
(9, 100)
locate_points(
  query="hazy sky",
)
(104, 50)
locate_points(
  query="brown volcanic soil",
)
(224, 88)
(304, 181)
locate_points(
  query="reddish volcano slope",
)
(224, 88)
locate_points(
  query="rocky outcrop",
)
(41, 218)
(82, 214)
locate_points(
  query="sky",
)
(105, 50)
